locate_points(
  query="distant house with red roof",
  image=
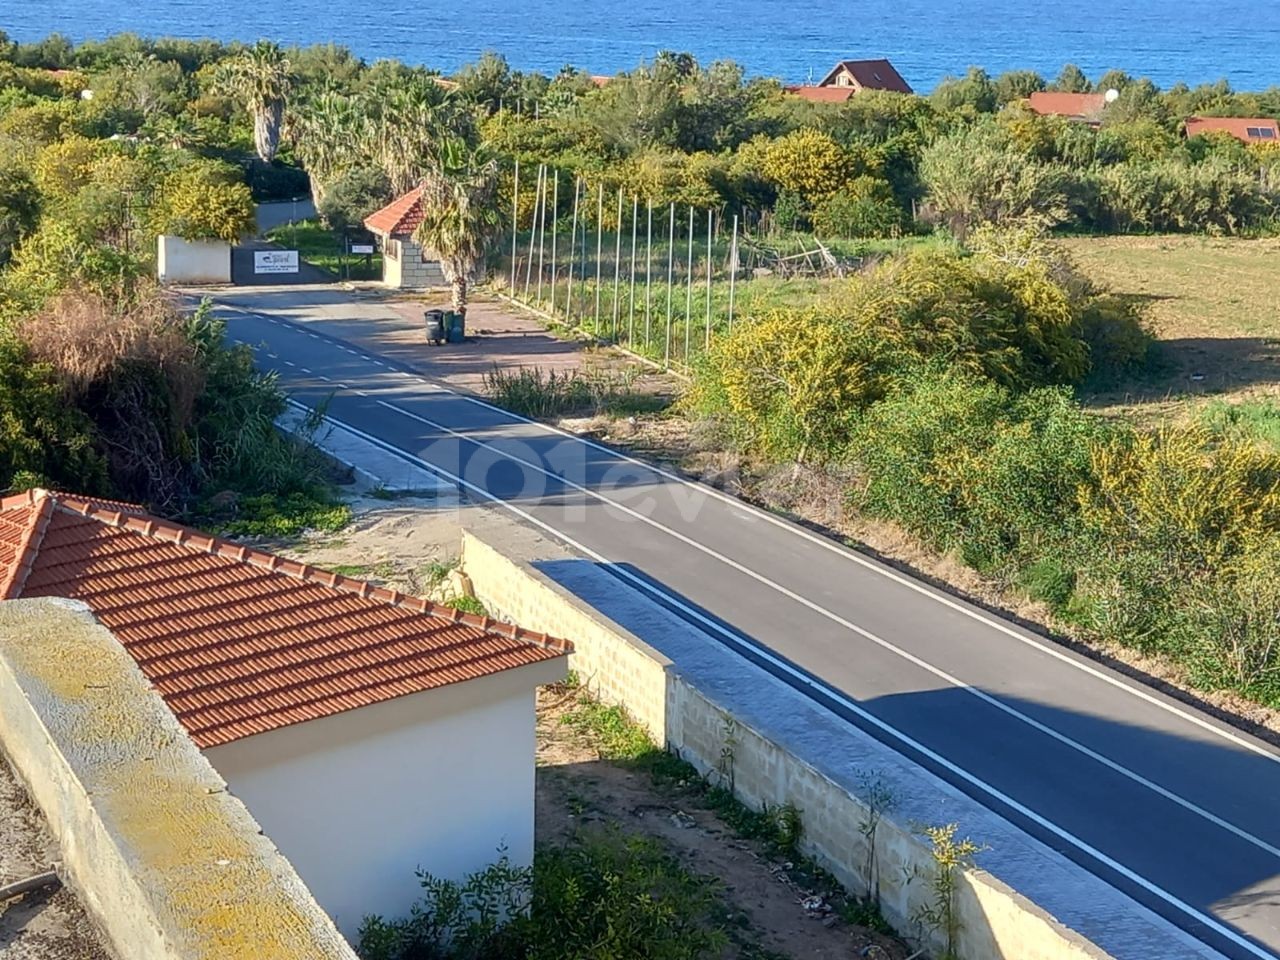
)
(1078, 107)
(370, 733)
(405, 265)
(1247, 129)
(849, 77)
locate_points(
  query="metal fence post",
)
(707, 342)
(555, 232)
(515, 224)
(733, 268)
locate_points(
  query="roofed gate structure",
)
(405, 265)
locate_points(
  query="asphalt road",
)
(1168, 804)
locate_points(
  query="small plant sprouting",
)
(728, 752)
(950, 856)
(879, 799)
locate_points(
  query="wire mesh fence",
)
(659, 280)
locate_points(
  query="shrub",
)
(353, 196)
(865, 208)
(808, 163)
(202, 202)
(65, 166)
(977, 176)
(1172, 196)
(790, 383)
(545, 395)
(167, 407)
(1231, 625)
(600, 896)
(43, 440)
(905, 447)
(966, 465)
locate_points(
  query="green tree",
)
(975, 176)
(487, 82)
(459, 213)
(331, 134)
(261, 78)
(1071, 80)
(973, 93)
(1015, 85)
(202, 202)
(353, 196)
(636, 111)
(19, 208)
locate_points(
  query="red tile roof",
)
(400, 216)
(1238, 127)
(237, 641)
(869, 75)
(1082, 106)
(822, 94)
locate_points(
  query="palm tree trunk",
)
(267, 121)
(459, 285)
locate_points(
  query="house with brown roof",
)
(1246, 129)
(405, 265)
(1077, 107)
(849, 77)
(370, 733)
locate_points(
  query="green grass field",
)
(1214, 306)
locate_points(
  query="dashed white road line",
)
(842, 550)
(763, 652)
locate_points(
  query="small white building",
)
(405, 265)
(371, 734)
(192, 261)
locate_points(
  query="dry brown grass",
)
(85, 340)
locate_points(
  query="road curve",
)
(1165, 802)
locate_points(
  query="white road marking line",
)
(832, 693)
(866, 634)
(842, 550)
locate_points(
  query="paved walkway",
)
(393, 327)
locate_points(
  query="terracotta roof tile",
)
(400, 216)
(1248, 129)
(822, 94)
(239, 641)
(1083, 106)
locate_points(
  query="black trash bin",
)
(437, 332)
(456, 324)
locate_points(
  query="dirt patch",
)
(47, 924)
(406, 544)
(765, 909)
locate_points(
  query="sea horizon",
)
(1192, 41)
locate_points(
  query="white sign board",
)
(275, 261)
(362, 248)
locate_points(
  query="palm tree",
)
(414, 118)
(459, 213)
(330, 135)
(261, 78)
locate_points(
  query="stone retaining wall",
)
(993, 921)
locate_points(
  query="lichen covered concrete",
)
(167, 862)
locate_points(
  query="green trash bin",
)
(456, 327)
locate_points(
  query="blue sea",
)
(1195, 41)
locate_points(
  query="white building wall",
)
(391, 254)
(192, 261)
(359, 801)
